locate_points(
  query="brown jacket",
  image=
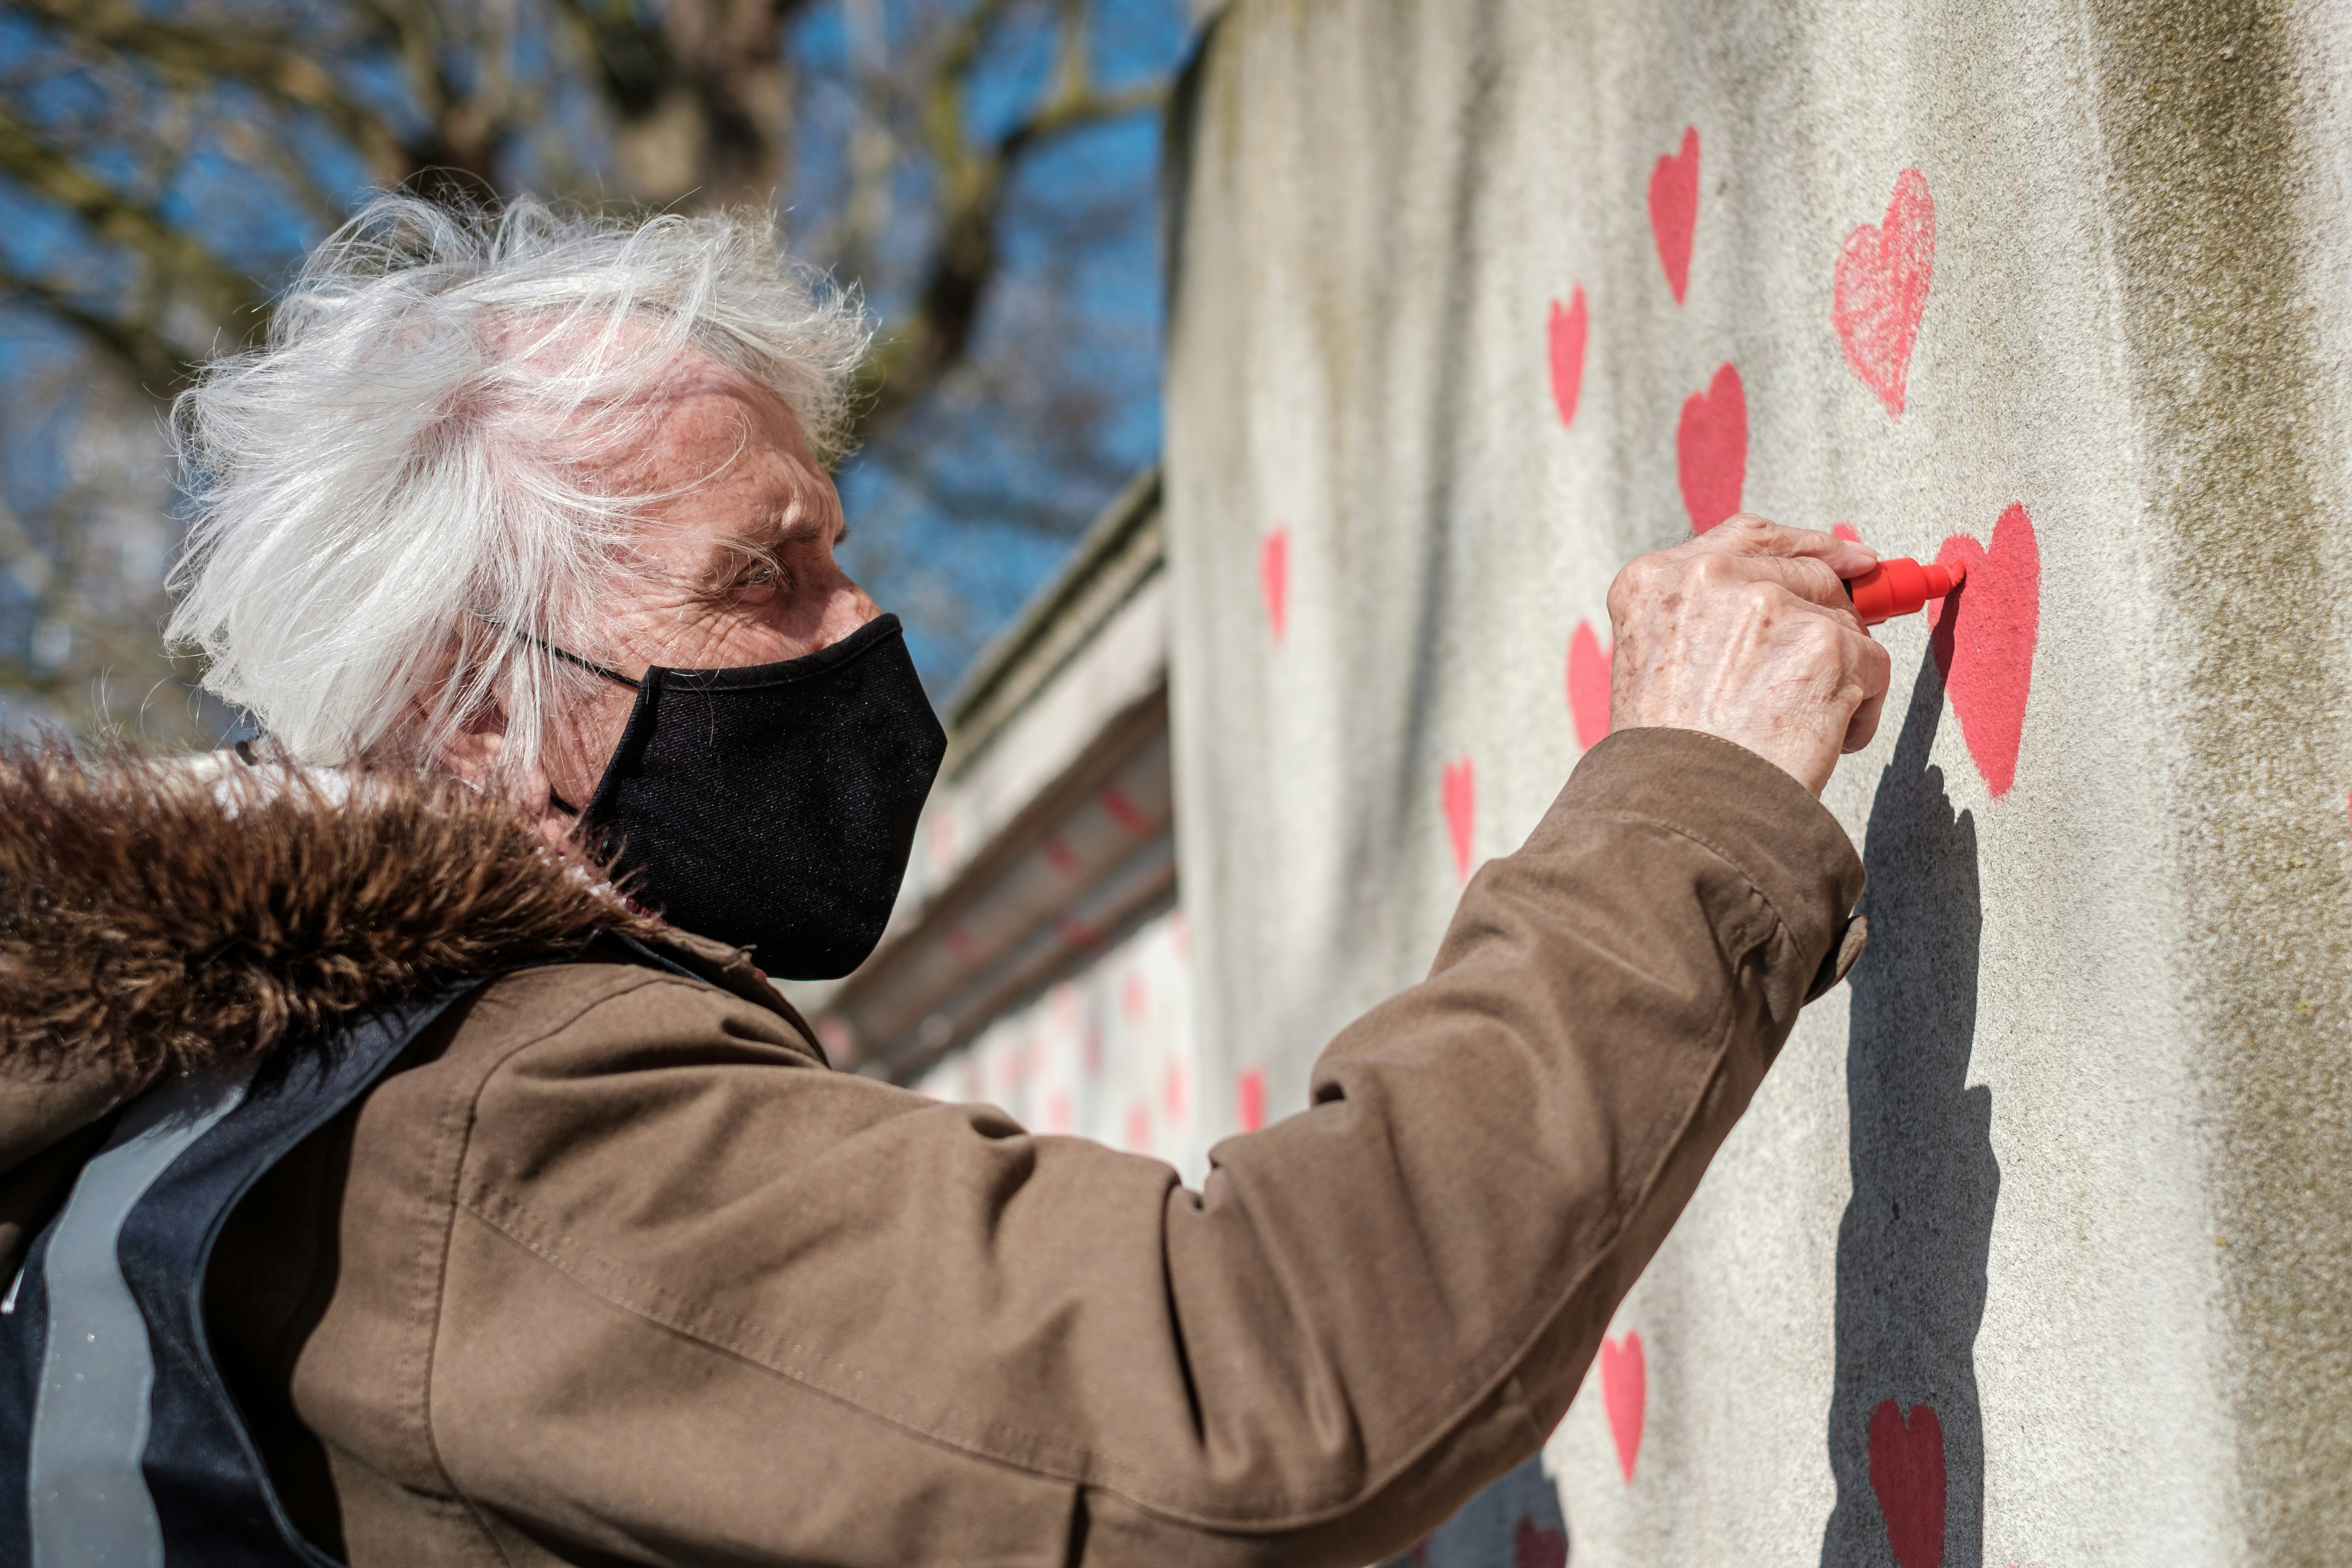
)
(610, 1268)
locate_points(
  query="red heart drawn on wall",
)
(1535, 1546)
(1984, 637)
(1711, 450)
(1588, 686)
(1906, 1472)
(1882, 287)
(1673, 210)
(1460, 793)
(1624, 1389)
(1251, 1093)
(1273, 577)
(1567, 332)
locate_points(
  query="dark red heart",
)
(1882, 288)
(1535, 1546)
(1568, 333)
(1588, 686)
(1673, 210)
(1906, 1472)
(1984, 639)
(1711, 450)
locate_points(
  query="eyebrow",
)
(760, 543)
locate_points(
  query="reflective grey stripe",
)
(87, 1499)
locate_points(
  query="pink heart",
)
(1845, 531)
(1588, 686)
(1460, 795)
(1273, 577)
(1535, 1546)
(1711, 450)
(1673, 210)
(1984, 638)
(1624, 1388)
(1906, 1472)
(1567, 331)
(1882, 288)
(1251, 1092)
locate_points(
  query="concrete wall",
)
(1110, 1054)
(2034, 1248)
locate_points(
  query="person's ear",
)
(472, 752)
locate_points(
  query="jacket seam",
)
(457, 1125)
(717, 1346)
(1085, 1467)
(1755, 883)
(667, 1309)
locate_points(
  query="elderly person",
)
(380, 1185)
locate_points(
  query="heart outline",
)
(1566, 333)
(1673, 210)
(1625, 1394)
(1588, 686)
(1984, 637)
(1711, 450)
(1881, 286)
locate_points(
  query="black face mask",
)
(773, 806)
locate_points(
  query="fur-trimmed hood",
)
(159, 916)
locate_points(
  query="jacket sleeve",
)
(728, 1308)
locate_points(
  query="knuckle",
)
(1638, 578)
(1825, 640)
(1624, 590)
(1711, 573)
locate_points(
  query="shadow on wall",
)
(1906, 1434)
(1514, 1524)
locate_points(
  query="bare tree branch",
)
(267, 60)
(174, 265)
(971, 180)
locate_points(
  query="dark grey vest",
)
(120, 1445)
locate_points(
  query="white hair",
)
(405, 474)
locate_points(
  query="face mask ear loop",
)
(566, 655)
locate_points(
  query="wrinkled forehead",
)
(703, 422)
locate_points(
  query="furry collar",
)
(157, 917)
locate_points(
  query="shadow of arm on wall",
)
(1906, 1433)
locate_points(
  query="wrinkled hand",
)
(1747, 632)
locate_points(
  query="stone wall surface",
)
(2034, 1247)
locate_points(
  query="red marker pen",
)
(1899, 587)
